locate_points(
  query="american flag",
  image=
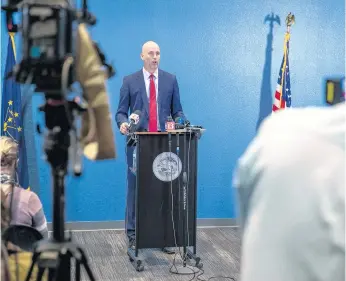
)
(282, 98)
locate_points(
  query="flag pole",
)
(290, 20)
(280, 96)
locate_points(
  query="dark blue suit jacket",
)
(133, 96)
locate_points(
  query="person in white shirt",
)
(291, 189)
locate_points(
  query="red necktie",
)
(152, 106)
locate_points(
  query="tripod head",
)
(59, 119)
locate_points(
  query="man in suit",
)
(156, 94)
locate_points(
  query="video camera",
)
(48, 34)
(56, 52)
(335, 90)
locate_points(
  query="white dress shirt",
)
(146, 75)
(291, 187)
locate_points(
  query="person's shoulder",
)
(313, 119)
(166, 74)
(133, 75)
(30, 195)
(288, 117)
(287, 134)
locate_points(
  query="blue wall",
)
(227, 74)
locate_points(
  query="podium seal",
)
(167, 166)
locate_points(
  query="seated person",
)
(26, 207)
(17, 263)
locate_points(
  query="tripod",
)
(55, 255)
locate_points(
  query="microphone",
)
(178, 149)
(187, 123)
(170, 124)
(179, 123)
(195, 126)
(134, 119)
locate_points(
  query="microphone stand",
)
(184, 200)
(187, 252)
(179, 189)
(184, 270)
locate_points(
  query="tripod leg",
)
(34, 259)
(77, 270)
(40, 273)
(185, 256)
(51, 274)
(84, 262)
(88, 271)
(63, 266)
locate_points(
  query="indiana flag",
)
(282, 98)
(11, 110)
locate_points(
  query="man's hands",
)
(124, 128)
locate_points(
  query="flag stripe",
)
(11, 113)
(11, 34)
(282, 96)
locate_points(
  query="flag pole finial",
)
(290, 20)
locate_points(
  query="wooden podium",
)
(165, 165)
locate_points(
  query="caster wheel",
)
(139, 267)
(200, 265)
(131, 259)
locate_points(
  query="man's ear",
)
(141, 55)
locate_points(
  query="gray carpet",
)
(218, 248)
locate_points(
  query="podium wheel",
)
(139, 266)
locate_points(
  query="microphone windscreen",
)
(179, 120)
(138, 113)
(98, 140)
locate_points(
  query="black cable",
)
(179, 185)
(187, 187)
(172, 212)
(213, 277)
(13, 184)
(200, 271)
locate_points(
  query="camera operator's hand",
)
(124, 128)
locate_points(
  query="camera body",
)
(47, 42)
(48, 35)
(335, 90)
